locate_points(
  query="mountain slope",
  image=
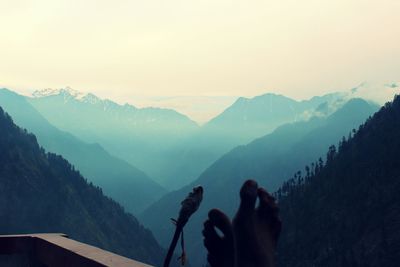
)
(42, 192)
(244, 121)
(262, 114)
(121, 181)
(269, 160)
(139, 136)
(347, 213)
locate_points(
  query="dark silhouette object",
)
(189, 206)
(251, 239)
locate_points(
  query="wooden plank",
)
(58, 250)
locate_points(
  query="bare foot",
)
(220, 248)
(256, 230)
(253, 239)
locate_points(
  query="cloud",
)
(373, 92)
(377, 93)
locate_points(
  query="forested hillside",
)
(346, 212)
(42, 192)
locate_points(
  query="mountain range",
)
(251, 118)
(268, 138)
(139, 136)
(119, 180)
(55, 117)
(244, 121)
(166, 145)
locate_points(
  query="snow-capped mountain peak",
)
(45, 92)
(90, 98)
(66, 92)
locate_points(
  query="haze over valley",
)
(168, 146)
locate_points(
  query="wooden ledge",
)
(58, 250)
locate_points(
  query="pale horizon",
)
(211, 48)
(202, 109)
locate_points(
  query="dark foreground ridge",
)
(347, 212)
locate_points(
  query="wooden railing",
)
(58, 250)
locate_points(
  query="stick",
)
(189, 206)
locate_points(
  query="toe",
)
(267, 204)
(220, 248)
(269, 211)
(212, 240)
(248, 195)
(222, 222)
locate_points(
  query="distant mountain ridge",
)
(139, 136)
(70, 95)
(269, 108)
(241, 123)
(251, 118)
(129, 186)
(168, 146)
(67, 92)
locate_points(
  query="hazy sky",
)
(126, 48)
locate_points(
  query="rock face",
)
(347, 212)
(41, 192)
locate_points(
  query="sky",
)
(135, 50)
